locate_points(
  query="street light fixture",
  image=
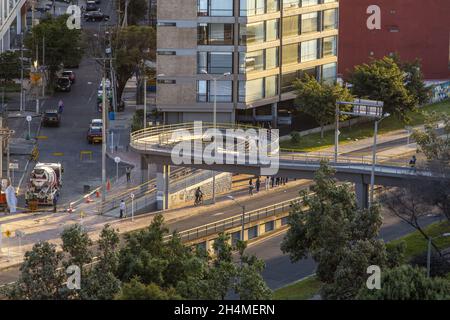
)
(203, 71)
(243, 215)
(429, 251)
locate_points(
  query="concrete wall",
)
(176, 94)
(177, 9)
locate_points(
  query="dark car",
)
(63, 84)
(91, 6)
(96, 16)
(51, 118)
(94, 135)
(69, 74)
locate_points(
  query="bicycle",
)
(198, 201)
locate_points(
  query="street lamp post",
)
(429, 251)
(243, 216)
(215, 127)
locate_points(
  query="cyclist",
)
(198, 196)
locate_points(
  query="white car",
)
(107, 88)
(96, 123)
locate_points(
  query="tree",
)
(319, 99)
(137, 10)
(250, 284)
(407, 283)
(40, 278)
(76, 242)
(100, 283)
(135, 290)
(9, 66)
(132, 46)
(414, 78)
(341, 238)
(61, 43)
(384, 80)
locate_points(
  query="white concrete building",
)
(12, 22)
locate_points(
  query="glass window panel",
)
(220, 33)
(272, 58)
(330, 19)
(309, 50)
(286, 81)
(312, 72)
(201, 90)
(260, 6)
(254, 89)
(309, 22)
(329, 46)
(220, 62)
(329, 73)
(306, 3)
(290, 53)
(221, 8)
(202, 7)
(254, 61)
(272, 6)
(241, 91)
(254, 33)
(290, 26)
(224, 91)
(271, 85)
(242, 62)
(272, 30)
(202, 61)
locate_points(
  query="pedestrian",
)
(55, 201)
(267, 182)
(412, 162)
(272, 180)
(258, 184)
(122, 208)
(277, 181)
(128, 173)
(198, 196)
(250, 187)
(60, 106)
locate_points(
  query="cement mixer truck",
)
(44, 184)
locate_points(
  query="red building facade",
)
(411, 28)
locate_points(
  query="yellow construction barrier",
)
(35, 154)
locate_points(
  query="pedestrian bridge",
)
(191, 145)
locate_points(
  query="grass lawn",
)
(313, 141)
(416, 243)
(301, 290)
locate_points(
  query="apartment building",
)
(12, 22)
(249, 50)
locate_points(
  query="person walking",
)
(60, 106)
(128, 173)
(258, 184)
(272, 181)
(250, 187)
(55, 201)
(267, 182)
(122, 208)
(412, 162)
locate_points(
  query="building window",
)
(306, 3)
(284, 221)
(215, 34)
(291, 4)
(251, 33)
(309, 22)
(166, 81)
(312, 72)
(215, 8)
(309, 50)
(287, 80)
(329, 46)
(330, 19)
(205, 91)
(166, 53)
(272, 6)
(254, 61)
(329, 73)
(252, 7)
(215, 62)
(290, 26)
(271, 86)
(269, 226)
(272, 30)
(167, 24)
(272, 58)
(252, 232)
(254, 89)
(290, 54)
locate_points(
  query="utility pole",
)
(21, 72)
(104, 134)
(145, 101)
(125, 16)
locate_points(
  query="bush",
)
(138, 119)
(295, 137)
(439, 267)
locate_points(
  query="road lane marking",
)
(58, 154)
(219, 214)
(41, 137)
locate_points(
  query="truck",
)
(44, 184)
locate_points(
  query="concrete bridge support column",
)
(162, 186)
(362, 194)
(144, 169)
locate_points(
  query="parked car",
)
(91, 6)
(94, 135)
(96, 16)
(96, 123)
(63, 84)
(69, 74)
(51, 118)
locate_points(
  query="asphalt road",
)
(63, 144)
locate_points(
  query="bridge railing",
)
(234, 221)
